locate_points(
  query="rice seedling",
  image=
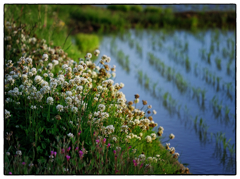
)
(187, 64)
(209, 58)
(218, 63)
(139, 49)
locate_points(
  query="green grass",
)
(87, 42)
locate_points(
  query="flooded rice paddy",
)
(189, 79)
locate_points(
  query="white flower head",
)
(59, 108)
(148, 139)
(50, 100)
(45, 57)
(70, 135)
(89, 55)
(96, 52)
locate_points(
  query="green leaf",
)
(43, 145)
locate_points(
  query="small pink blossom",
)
(23, 163)
(10, 173)
(104, 140)
(68, 157)
(108, 145)
(80, 153)
(135, 163)
(69, 148)
(55, 153)
(114, 151)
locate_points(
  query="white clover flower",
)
(45, 75)
(154, 112)
(55, 62)
(45, 57)
(51, 75)
(8, 153)
(110, 129)
(171, 136)
(74, 109)
(24, 77)
(108, 59)
(19, 152)
(177, 154)
(113, 74)
(64, 66)
(89, 55)
(149, 106)
(30, 74)
(79, 88)
(45, 89)
(142, 157)
(97, 68)
(38, 79)
(33, 107)
(50, 100)
(59, 108)
(154, 136)
(71, 122)
(172, 149)
(68, 70)
(160, 128)
(157, 156)
(136, 101)
(28, 60)
(167, 144)
(68, 100)
(121, 85)
(70, 135)
(148, 139)
(101, 107)
(7, 114)
(114, 139)
(96, 52)
(68, 93)
(104, 57)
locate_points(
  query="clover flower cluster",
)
(66, 90)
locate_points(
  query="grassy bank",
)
(64, 114)
(118, 17)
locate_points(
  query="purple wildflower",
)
(68, 157)
(80, 153)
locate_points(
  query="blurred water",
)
(132, 52)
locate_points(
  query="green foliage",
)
(87, 42)
(123, 8)
(153, 9)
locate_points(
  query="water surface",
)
(189, 79)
